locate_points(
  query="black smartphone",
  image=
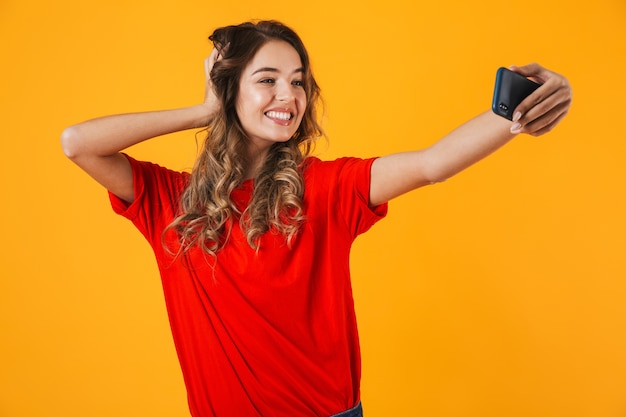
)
(510, 90)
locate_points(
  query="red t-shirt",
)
(273, 332)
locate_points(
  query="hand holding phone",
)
(510, 90)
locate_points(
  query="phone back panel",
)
(510, 90)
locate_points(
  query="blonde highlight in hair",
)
(207, 210)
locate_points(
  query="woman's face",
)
(272, 100)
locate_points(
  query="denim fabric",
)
(356, 411)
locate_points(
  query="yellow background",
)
(498, 293)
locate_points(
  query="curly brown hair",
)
(207, 211)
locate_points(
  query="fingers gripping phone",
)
(510, 90)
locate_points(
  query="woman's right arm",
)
(95, 145)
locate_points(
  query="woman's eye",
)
(267, 81)
(299, 83)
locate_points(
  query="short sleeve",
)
(345, 185)
(354, 186)
(157, 193)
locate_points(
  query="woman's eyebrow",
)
(270, 69)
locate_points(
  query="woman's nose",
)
(284, 92)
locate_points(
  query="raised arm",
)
(396, 174)
(95, 145)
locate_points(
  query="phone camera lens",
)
(503, 107)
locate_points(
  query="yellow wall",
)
(498, 293)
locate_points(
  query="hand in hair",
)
(210, 99)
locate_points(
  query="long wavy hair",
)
(207, 211)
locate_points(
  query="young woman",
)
(253, 245)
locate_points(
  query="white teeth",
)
(278, 115)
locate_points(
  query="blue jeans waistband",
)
(356, 411)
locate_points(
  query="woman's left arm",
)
(540, 112)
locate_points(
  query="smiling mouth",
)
(279, 115)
